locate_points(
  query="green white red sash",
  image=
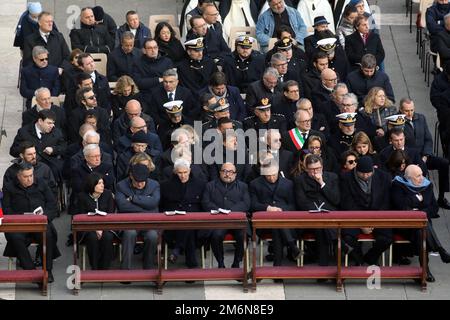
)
(297, 138)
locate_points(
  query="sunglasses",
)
(352, 161)
(43, 59)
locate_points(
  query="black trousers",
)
(324, 238)
(282, 237)
(442, 166)
(100, 251)
(217, 237)
(383, 239)
(19, 243)
(185, 240)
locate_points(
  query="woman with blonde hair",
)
(146, 160)
(378, 107)
(362, 145)
(126, 89)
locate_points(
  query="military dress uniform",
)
(195, 74)
(220, 106)
(276, 121)
(241, 72)
(340, 141)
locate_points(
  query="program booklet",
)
(220, 211)
(97, 212)
(172, 213)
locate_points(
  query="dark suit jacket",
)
(255, 92)
(121, 64)
(92, 39)
(289, 145)
(280, 194)
(308, 192)
(231, 196)
(31, 116)
(79, 174)
(421, 133)
(241, 73)
(413, 154)
(197, 77)
(233, 96)
(353, 198)
(159, 97)
(56, 46)
(182, 196)
(147, 71)
(34, 77)
(355, 48)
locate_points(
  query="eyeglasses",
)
(305, 121)
(91, 97)
(331, 80)
(213, 14)
(314, 148)
(352, 161)
(43, 59)
(347, 104)
(280, 64)
(227, 171)
(315, 169)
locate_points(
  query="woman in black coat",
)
(168, 43)
(99, 243)
(415, 192)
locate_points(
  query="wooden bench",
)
(338, 220)
(161, 222)
(26, 224)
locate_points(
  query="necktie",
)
(211, 27)
(365, 38)
(304, 136)
(171, 96)
(46, 37)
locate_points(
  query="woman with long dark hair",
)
(168, 43)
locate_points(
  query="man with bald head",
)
(121, 125)
(230, 194)
(319, 123)
(154, 147)
(295, 139)
(322, 94)
(91, 37)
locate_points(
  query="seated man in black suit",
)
(296, 139)
(366, 188)
(231, 194)
(342, 139)
(397, 142)
(122, 59)
(267, 87)
(173, 120)
(272, 192)
(170, 90)
(44, 102)
(49, 141)
(39, 74)
(25, 194)
(285, 102)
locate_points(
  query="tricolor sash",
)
(297, 138)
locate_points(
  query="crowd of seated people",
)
(194, 126)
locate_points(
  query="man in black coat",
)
(215, 46)
(267, 87)
(48, 38)
(368, 76)
(229, 194)
(443, 41)
(296, 57)
(44, 102)
(196, 68)
(318, 121)
(285, 103)
(100, 83)
(316, 188)
(296, 139)
(28, 23)
(39, 74)
(281, 64)
(244, 65)
(362, 189)
(25, 194)
(416, 126)
(321, 31)
(174, 119)
(397, 142)
(123, 58)
(92, 163)
(321, 94)
(170, 90)
(362, 42)
(183, 192)
(272, 192)
(49, 141)
(435, 21)
(149, 69)
(218, 86)
(122, 124)
(41, 170)
(337, 59)
(284, 158)
(311, 79)
(342, 139)
(133, 23)
(264, 119)
(91, 38)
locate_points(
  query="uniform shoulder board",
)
(248, 118)
(278, 115)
